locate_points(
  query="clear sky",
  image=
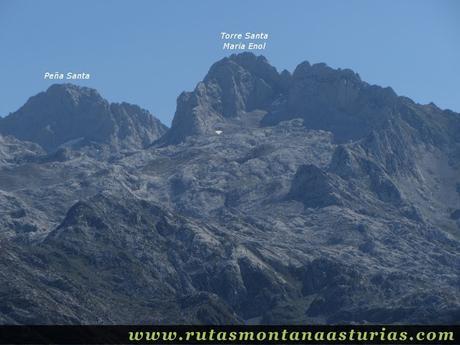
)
(147, 52)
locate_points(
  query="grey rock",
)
(68, 115)
(314, 187)
(321, 200)
(233, 86)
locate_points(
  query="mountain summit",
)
(337, 100)
(233, 86)
(67, 114)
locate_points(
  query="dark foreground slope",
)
(275, 198)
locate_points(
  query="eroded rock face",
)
(322, 199)
(314, 187)
(13, 150)
(71, 115)
(233, 86)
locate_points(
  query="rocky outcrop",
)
(13, 150)
(315, 188)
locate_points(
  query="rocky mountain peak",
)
(323, 72)
(67, 114)
(330, 99)
(73, 92)
(237, 65)
(233, 86)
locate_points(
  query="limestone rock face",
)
(71, 115)
(233, 86)
(14, 150)
(314, 187)
(310, 197)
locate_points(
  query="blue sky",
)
(147, 52)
